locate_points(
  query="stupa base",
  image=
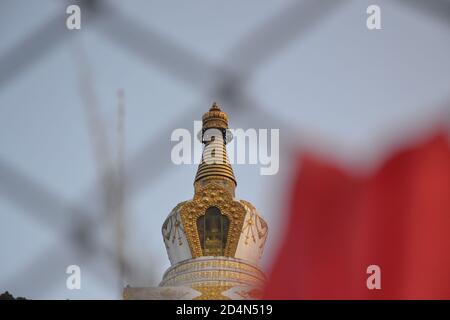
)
(209, 292)
(204, 278)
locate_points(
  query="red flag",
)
(398, 218)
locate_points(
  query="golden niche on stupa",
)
(214, 241)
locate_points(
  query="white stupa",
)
(214, 241)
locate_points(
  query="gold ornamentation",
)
(215, 118)
(215, 161)
(234, 276)
(211, 292)
(254, 226)
(216, 263)
(212, 195)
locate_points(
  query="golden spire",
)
(215, 163)
(215, 118)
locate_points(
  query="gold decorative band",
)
(213, 271)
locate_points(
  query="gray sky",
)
(334, 87)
